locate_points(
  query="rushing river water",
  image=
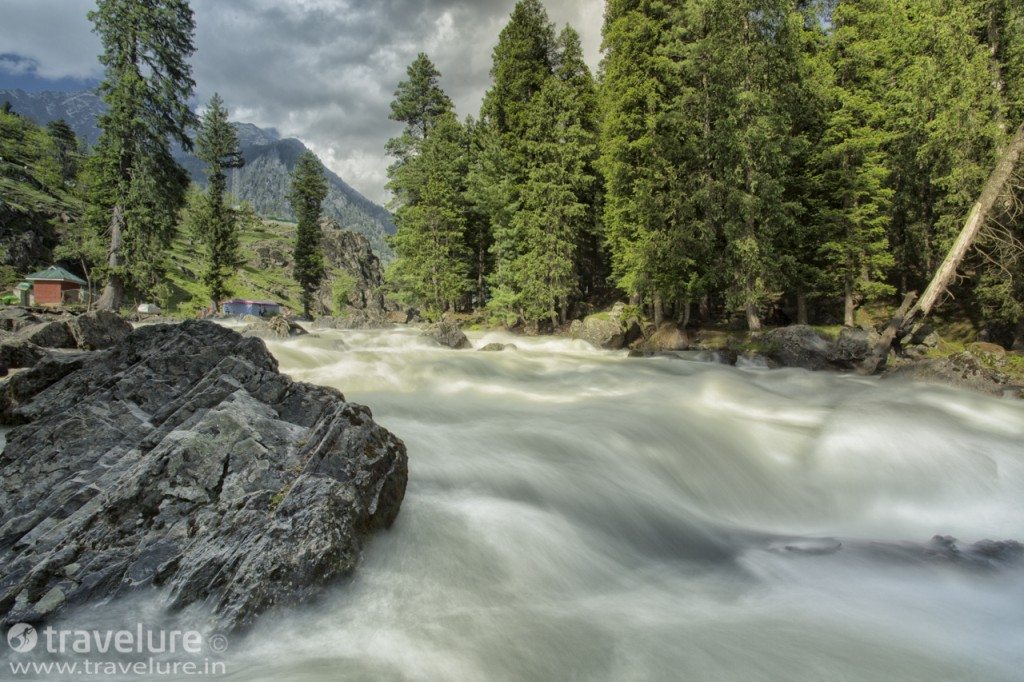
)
(577, 515)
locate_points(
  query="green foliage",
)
(133, 186)
(741, 152)
(431, 268)
(342, 286)
(309, 188)
(213, 223)
(419, 103)
(557, 202)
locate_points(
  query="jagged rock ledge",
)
(182, 459)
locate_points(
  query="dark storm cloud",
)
(320, 70)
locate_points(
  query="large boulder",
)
(667, 337)
(962, 370)
(182, 459)
(55, 334)
(15, 353)
(355, 319)
(99, 329)
(15, 318)
(610, 330)
(275, 327)
(852, 347)
(498, 347)
(348, 254)
(796, 346)
(446, 332)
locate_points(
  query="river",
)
(577, 515)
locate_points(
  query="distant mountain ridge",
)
(263, 181)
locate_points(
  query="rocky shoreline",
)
(181, 459)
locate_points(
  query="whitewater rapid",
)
(575, 514)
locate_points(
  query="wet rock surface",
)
(447, 333)
(182, 459)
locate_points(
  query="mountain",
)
(263, 182)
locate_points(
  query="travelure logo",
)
(22, 637)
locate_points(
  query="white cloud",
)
(323, 71)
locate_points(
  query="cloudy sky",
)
(320, 70)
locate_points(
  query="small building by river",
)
(242, 307)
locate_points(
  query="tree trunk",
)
(659, 311)
(753, 318)
(881, 350)
(684, 318)
(848, 306)
(113, 292)
(801, 308)
(975, 221)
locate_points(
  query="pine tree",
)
(523, 60)
(216, 227)
(67, 149)
(308, 191)
(419, 102)
(853, 159)
(557, 206)
(135, 186)
(945, 122)
(431, 268)
(428, 183)
(651, 131)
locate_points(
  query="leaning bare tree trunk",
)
(906, 321)
(881, 350)
(113, 292)
(975, 221)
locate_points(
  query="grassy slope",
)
(253, 280)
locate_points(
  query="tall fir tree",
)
(135, 187)
(68, 150)
(431, 268)
(523, 60)
(427, 181)
(217, 227)
(419, 102)
(308, 191)
(556, 213)
(853, 160)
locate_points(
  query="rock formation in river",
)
(26, 336)
(183, 459)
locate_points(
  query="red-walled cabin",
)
(50, 286)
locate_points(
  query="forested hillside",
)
(263, 181)
(754, 160)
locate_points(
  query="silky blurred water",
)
(577, 515)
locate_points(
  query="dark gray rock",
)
(276, 327)
(350, 253)
(15, 318)
(355, 319)
(852, 347)
(610, 330)
(668, 337)
(796, 346)
(495, 347)
(963, 370)
(99, 329)
(181, 458)
(56, 334)
(447, 333)
(15, 353)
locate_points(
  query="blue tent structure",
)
(242, 307)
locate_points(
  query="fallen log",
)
(880, 352)
(946, 272)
